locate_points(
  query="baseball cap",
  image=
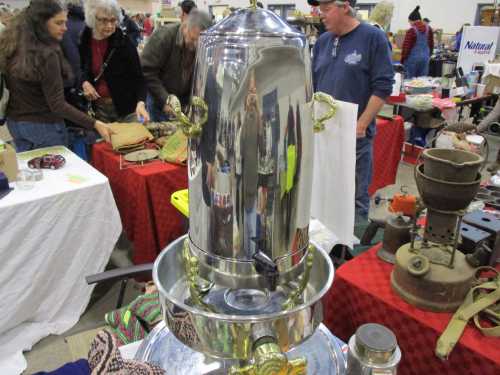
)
(315, 3)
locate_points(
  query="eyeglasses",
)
(105, 21)
(336, 44)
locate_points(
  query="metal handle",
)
(198, 287)
(321, 97)
(295, 296)
(190, 129)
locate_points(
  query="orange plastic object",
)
(404, 203)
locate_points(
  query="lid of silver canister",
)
(375, 344)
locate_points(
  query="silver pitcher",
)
(250, 165)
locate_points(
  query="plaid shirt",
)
(411, 38)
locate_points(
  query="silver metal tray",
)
(325, 353)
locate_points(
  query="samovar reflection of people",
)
(216, 169)
(249, 162)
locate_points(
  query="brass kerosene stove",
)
(430, 272)
(242, 292)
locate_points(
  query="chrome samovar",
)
(242, 292)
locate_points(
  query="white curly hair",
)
(109, 6)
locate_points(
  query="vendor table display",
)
(53, 235)
(387, 148)
(362, 293)
(142, 194)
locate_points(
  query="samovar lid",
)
(253, 22)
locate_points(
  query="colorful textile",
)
(105, 359)
(133, 322)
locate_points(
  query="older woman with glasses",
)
(112, 74)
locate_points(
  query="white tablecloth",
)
(51, 237)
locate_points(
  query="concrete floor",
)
(54, 351)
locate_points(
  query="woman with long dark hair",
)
(35, 69)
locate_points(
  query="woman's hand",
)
(141, 113)
(89, 91)
(104, 130)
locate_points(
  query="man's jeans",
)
(29, 135)
(364, 165)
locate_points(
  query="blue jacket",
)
(354, 67)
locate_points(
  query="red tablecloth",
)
(142, 195)
(387, 148)
(361, 293)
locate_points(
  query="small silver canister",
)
(373, 350)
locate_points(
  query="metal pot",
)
(448, 68)
(451, 165)
(445, 196)
(373, 350)
(396, 234)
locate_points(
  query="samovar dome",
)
(253, 22)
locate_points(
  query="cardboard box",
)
(8, 161)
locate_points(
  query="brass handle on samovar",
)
(190, 129)
(297, 293)
(321, 97)
(270, 360)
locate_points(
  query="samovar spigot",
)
(266, 267)
(268, 359)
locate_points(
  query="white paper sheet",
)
(334, 172)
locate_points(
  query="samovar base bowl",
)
(224, 322)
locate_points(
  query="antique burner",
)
(244, 287)
(430, 272)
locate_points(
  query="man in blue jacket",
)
(352, 62)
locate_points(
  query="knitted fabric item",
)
(147, 309)
(105, 359)
(133, 322)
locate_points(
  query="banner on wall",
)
(479, 45)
